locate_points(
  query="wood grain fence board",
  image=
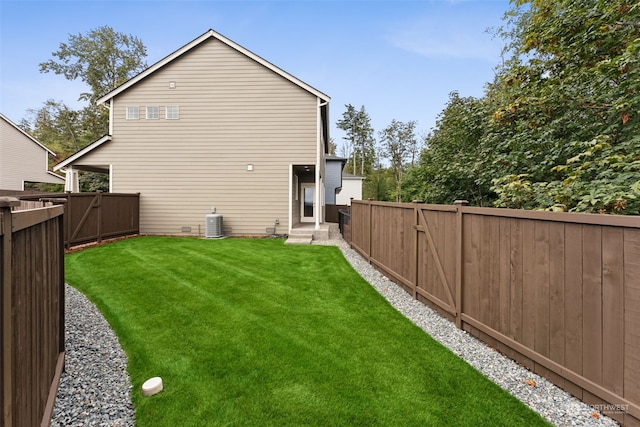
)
(21, 336)
(612, 316)
(448, 239)
(483, 279)
(557, 302)
(528, 284)
(422, 268)
(408, 243)
(441, 286)
(516, 288)
(471, 266)
(541, 292)
(504, 288)
(573, 295)
(592, 302)
(6, 326)
(426, 273)
(632, 315)
(491, 255)
(357, 222)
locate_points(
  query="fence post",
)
(99, 215)
(68, 208)
(416, 237)
(459, 261)
(369, 255)
(6, 325)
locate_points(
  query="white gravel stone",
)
(95, 389)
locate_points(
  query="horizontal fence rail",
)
(557, 292)
(32, 319)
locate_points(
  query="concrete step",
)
(299, 239)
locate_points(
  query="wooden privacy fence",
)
(557, 292)
(92, 217)
(32, 318)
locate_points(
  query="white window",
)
(153, 113)
(133, 113)
(173, 112)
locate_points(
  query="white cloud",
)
(447, 36)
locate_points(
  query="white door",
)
(308, 203)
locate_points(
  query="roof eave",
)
(77, 155)
(6, 119)
(211, 34)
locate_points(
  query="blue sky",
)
(400, 59)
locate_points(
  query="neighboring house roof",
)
(3, 117)
(186, 48)
(346, 175)
(330, 157)
(27, 170)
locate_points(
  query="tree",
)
(566, 123)
(103, 59)
(559, 127)
(452, 166)
(396, 142)
(357, 126)
(57, 126)
(332, 147)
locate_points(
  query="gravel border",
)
(554, 404)
(95, 389)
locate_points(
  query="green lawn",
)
(250, 332)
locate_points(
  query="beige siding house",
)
(213, 125)
(23, 159)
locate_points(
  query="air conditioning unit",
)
(213, 227)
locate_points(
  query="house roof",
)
(329, 157)
(26, 134)
(72, 158)
(186, 48)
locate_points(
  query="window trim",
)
(152, 108)
(131, 109)
(171, 116)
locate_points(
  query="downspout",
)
(318, 160)
(110, 178)
(111, 116)
(290, 198)
(110, 108)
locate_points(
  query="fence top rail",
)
(104, 194)
(27, 218)
(630, 221)
(428, 207)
